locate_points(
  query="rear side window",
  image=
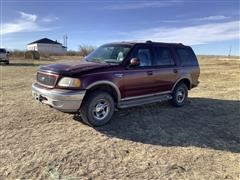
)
(187, 57)
(162, 56)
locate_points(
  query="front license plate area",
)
(38, 97)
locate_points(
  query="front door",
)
(140, 80)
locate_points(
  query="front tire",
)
(180, 95)
(97, 108)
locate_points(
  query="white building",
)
(46, 45)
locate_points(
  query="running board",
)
(145, 100)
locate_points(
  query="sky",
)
(210, 27)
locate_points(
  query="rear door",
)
(166, 69)
(140, 80)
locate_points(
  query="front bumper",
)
(60, 99)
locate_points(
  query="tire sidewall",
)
(91, 105)
(175, 102)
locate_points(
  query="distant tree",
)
(72, 53)
(84, 50)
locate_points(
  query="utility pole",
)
(230, 50)
(65, 37)
(66, 40)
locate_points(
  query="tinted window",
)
(144, 55)
(187, 57)
(162, 57)
(2, 50)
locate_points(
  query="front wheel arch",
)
(108, 87)
(89, 103)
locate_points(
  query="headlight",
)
(69, 82)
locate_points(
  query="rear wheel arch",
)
(185, 81)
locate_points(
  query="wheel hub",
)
(180, 95)
(101, 109)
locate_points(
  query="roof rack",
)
(179, 44)
(148, 41)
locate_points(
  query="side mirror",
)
(134, 62)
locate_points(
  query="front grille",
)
(47, 79)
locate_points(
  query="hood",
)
(72, 67)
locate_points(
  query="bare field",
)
(156, 141)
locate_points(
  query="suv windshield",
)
(2, 50)
(109, 53)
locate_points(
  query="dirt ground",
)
(156, 141)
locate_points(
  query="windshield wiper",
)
(96, 60)
(111, 61)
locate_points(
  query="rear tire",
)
(7, 62)
(180, 95)
(97, 108)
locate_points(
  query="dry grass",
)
(156, 141)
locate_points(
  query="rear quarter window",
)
(187, 57)
(162, 56)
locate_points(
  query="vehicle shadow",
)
(203, 122)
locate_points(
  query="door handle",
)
(150, 73)
(175, 70)
(118, 75)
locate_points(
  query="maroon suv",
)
(118, 75)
